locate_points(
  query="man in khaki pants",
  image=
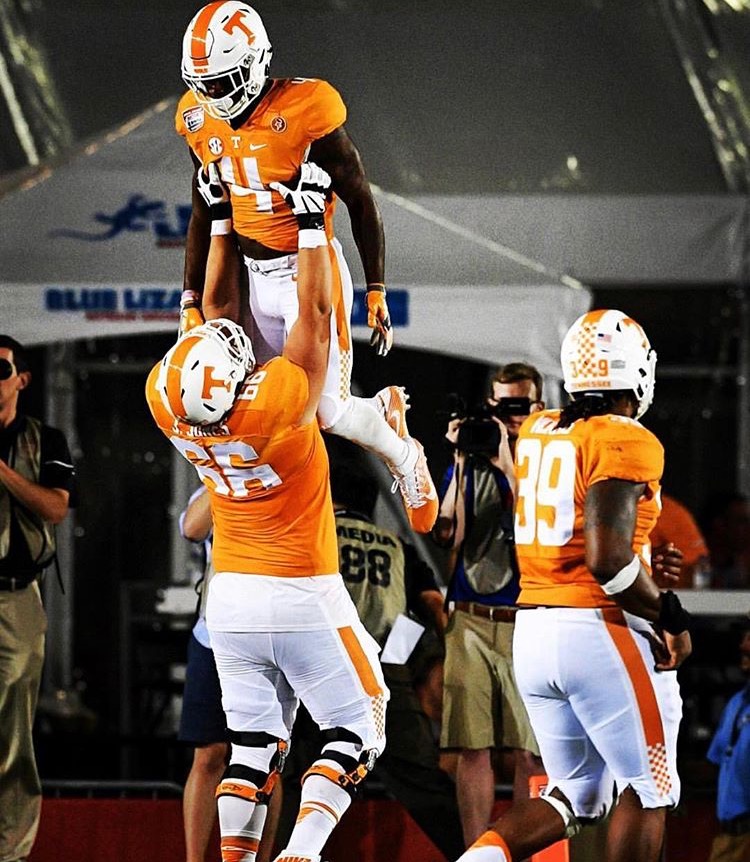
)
(482, 709)
(36, 476)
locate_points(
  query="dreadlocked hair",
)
(588, 404)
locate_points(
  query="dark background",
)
(485, 96)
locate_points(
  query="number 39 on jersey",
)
(545, 510)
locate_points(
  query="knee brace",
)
(346, 750)
(249, 782)
(572, 824)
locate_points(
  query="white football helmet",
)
(607, 350)
(225, 57)
(199, 376)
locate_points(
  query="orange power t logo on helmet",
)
(236, 22)
(199, 45)
(210, 382)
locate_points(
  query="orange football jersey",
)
(554, 469)
(269, 147)
(266, 474)
(677, 525)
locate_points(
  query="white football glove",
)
(216, 195)
(307, 200)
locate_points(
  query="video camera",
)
(478, 433)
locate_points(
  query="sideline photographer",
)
(482, 709)
(36, 479)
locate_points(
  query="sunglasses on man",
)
(7, 369)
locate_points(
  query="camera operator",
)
(482, 709)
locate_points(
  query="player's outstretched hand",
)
(216, 195)
(306, 196)
(379, 319)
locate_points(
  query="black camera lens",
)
(478, 437)
(6, 369)
(513, 407)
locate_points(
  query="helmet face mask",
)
(201, 374)
(606, 351)
(225, 58)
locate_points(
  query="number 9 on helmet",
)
(225, 57)
(605, 350)
(199, 377)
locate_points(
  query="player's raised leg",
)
(364, 421)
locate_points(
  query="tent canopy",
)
(93, 248)
(107, 231)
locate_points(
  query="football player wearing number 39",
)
(596, 642)
(258, 130)
(281, 623)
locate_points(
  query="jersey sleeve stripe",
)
(360, 661)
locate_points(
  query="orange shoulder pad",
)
(615, 447)
(190, 116)
(271, 399)
(325, 111)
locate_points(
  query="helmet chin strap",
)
(240, 118)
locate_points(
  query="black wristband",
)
(673, 618)
(311, 221)
(221, 211)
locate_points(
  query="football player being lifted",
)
(258, 130)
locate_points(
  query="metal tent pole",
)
(60, 413)
(743, 358)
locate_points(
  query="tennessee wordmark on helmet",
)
(199, 376)
(225, 57)
(607, 350)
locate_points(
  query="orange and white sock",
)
(489, 847)
(241, 829)
(239, 848)
(322, 805)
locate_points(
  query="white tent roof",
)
(94, 248)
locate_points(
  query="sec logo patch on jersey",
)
(216, 145)
(278, 124)
(194, 118)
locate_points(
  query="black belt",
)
(487, 612)
(736, 826)
(12, 585)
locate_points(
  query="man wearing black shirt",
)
(36, 476)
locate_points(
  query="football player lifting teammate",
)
(281, 622)
(258, 130)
